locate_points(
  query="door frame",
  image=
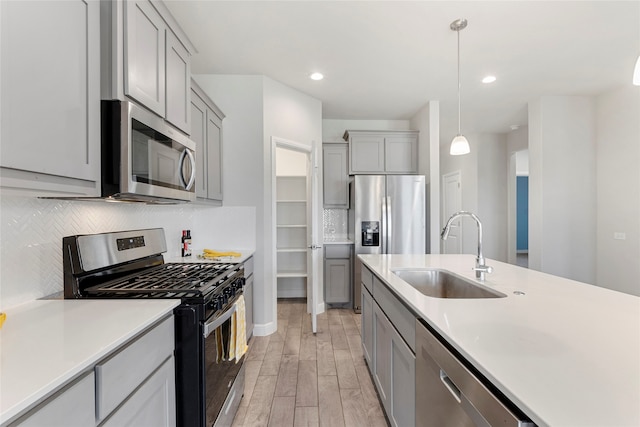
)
(315, 304)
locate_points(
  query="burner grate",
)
(168, 281)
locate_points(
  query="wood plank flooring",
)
(296, 378)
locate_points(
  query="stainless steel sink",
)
(443, 284)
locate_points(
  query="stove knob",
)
(230, 291)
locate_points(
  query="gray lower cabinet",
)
(391, 360)
(337, 274)
(367, 325)
(248, 295)
(73, 406)
(134, 385)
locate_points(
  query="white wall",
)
(492, 194)
(290, 163)
(427, 121)
(261, 108)
(333, 129)
(618, 189)
(562, 187)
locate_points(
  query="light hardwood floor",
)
(296, 378)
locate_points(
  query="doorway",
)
(518, 230)
(295, 223)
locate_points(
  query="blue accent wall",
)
(522, 213)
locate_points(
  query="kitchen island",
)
(565, 353)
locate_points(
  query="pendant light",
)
(459, 145)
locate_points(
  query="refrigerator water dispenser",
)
(370, 233)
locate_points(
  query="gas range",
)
(130, 264)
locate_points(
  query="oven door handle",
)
(212, 325)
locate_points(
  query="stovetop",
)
(172, 280)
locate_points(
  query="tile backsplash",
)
(336, 222)
(31, 232)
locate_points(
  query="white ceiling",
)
(386, 59)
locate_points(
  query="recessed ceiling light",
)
(316, 76)
(489, 79)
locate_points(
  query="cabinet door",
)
(152, 404)
(401, 154)
(178, 83)
(382, 330)
(335, 176)
(50, 85)
(74, 406)
(366, 153)
(214, 156)
(198, 135)
(248, 305)
(367, 327)
(403, 383)
(144, 77)
(337, 273)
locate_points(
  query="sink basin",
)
(443, 284)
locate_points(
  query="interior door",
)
(314, 251)
(452, 197)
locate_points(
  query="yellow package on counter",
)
(210, 253)
(3, 317)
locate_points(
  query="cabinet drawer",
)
(70, 407)
(367, 279)
(399, 315)
(122, 373)
(337, 251)
(153, 404)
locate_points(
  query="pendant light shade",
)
(459, 145)
(636, 73)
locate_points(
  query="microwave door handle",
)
(212, 325)
(187, 153)
(192, 179)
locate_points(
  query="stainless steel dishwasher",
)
(449, 394)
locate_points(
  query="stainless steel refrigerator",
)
(387, 216)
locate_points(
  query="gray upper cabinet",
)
(382, 152)
(144, 78)
(335, 176)
(146, 57)
(206, 125)
(50, 85)
(178, 83)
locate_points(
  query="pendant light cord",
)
(458, 31)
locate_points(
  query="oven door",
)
(224, 380)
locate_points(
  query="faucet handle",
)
(483, 269)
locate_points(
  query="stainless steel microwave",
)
(144, 159)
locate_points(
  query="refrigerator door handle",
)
(383, 226)
(389, 224)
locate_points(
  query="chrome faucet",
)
(480, 267)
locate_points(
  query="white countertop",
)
(245, 254)
(46, 343)
(566, 353)
(337, 240)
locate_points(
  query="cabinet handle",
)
(455, 391)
